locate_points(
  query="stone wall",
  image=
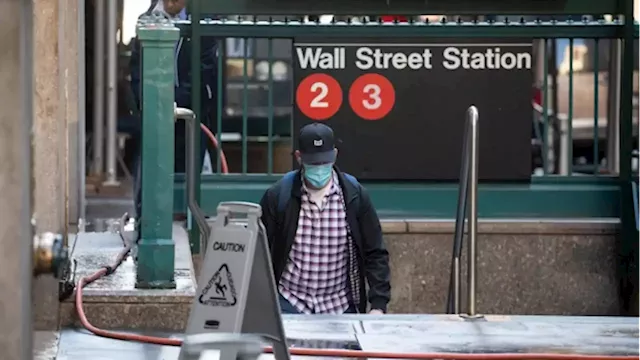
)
(14, 185)
(55, 102)
(524, 267)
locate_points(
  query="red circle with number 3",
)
(319, 96)
(372, 96)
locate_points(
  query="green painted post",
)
(156, 249)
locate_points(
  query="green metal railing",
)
(262, 123)
(551, 119)
(156, 248)
(264, 131)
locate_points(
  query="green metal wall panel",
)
(545, 198)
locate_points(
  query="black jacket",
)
(373, 258)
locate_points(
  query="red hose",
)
(84, 281)
(214, 141)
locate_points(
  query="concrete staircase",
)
(552, 267)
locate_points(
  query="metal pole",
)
(472, 115)
(613, 107)
(191, 170)
(554, 124)
(563, 161)
(98, 89)
(453, 301)
(112, 99)
(82, 116)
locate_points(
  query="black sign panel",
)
(398, 108)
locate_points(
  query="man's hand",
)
(376, 312)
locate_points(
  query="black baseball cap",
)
(316, 144)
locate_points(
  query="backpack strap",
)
(352, 179)
(287, 183)
(285, 190)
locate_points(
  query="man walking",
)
(324, 235)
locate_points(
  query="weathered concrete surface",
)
(15, 297)
(401, 333)
(55, 101)
(524, 267)
(45, 345)
(114, 302)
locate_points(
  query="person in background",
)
(324, 235)
(175, 10)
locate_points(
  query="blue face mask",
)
(318, 175)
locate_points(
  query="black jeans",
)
(287, 308)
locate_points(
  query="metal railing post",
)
(467, 209)
(97, 165)
(472, 118)
(453, 300)
(81, 170)
(156, 248)
(191, 170)
(112, 96)
(613, 107)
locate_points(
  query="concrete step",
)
(541, 267)
(114, 302)
(383, 333)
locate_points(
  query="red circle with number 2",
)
(319, 96)
(372, 96)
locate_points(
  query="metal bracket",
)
(67, 282)
(475, 317)
(50, 254)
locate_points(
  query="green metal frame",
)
(545, 197)
(446, 7)
(452, 29)
(156, 249)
